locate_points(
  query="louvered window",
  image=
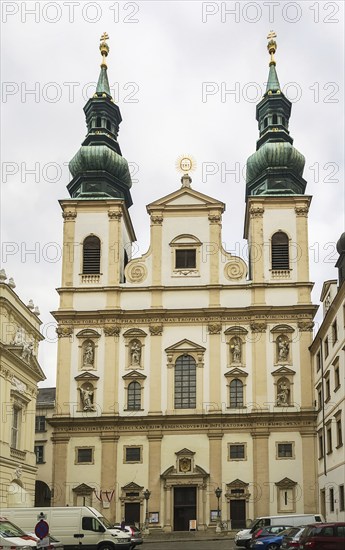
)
(91, 255)
(280, 251)
(134, 396)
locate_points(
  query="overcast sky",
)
(187, 77)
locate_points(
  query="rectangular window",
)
(318, 361)
(285, 450)
(84, 455)
(327, 388)
(236, 452)
(40, 424)
(185, 383)
(331, 499)
(319, 398)
(329, 440)
(320, 446)
(336, 378)
(39, 452)
(334, 332)
(132, 454)
(326, 347)
(339, 433)
(185, 258)
(341, 498)
(16, 420)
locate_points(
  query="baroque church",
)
(184, 387)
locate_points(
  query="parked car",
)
(136, 535)
(268, 531)
(272, 542)
(323, 536)
(12, 536)
(292, 537)
(54, 544)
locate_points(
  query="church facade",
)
(186, 370)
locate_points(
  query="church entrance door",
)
(238, 513)
(132, 513)
(184, 507)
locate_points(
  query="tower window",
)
(280, 251)
(185, 382)
(108, 125)
(185, 258)
(274, 119)
(99, 122)
(134, 396)
(91, 255)
(265, 122)
(283, 121)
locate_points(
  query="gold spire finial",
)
(272, 46)
(104, 48)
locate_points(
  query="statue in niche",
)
(282, 348)
(135, 351)
(88, 356)
(28, 350)
(86, 395)
(283, 393)
(19, 337)
(236, 350)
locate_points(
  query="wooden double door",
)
(184, 507)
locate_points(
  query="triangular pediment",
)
(185, 197)
(132, 487)
(283, 370)
(32, 364)
(185, 452)
(86, 376)
(235, 372)
(185, 346)
(237, 483)
(83, 489)
(134, 375)
(286, 482)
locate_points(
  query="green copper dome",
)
(275, 155)
(100, 157)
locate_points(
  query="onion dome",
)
(341, 244)
(276, 167)
(99, 170)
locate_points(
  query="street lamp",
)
(218, 492)
(147, 494)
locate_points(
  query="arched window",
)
(134, 396)
(274, 119)
(99, 122)
(185, 382)
(236, 394)
(280, 251)
(92, 255)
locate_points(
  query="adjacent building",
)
(45, 408)
(328, 352)
(186, 370)
(20, 373)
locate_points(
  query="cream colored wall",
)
(197, 443)
(88, 301)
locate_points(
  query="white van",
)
(75, 526)
(244, 536)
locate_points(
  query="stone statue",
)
(135, 353)
(28, 349)
(236, 350)
(283, 349)
(19, 337)
(87, 398)
(283, 393)
(88, 354)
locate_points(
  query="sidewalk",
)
(181, 536)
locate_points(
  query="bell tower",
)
(276, 204)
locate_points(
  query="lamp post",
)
(147, 494)
(218, 492)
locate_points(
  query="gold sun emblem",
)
(185, 164)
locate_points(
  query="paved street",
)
(191, 545)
